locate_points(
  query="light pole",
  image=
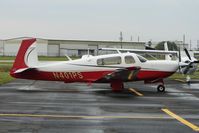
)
(3, 48)
(121, 38)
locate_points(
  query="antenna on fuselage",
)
(68, 57)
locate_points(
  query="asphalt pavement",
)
(54, 107)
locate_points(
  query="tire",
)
(161, 88)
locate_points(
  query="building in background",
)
(74, 48)
(10, 47)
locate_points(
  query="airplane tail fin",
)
(26, 57)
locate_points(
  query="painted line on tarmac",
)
(180, 80)
(136, 92)
(194, 127)
(71, 116)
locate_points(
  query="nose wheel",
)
(161, 88)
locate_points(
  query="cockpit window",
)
(129, 60)
(142, 59)
(109, 61)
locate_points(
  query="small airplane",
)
(112, 68)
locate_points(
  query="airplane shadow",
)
(115, 94)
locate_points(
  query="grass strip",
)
(180, 76)
(6, 63)
(41, 58)
(5, 74)
(5, 77)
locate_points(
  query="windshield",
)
(142, 59)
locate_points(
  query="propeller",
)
(187, 68)
(191, 61)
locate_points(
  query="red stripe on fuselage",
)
(144, 74)
(85, 76)
(62, 76)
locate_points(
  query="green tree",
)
(171, 45)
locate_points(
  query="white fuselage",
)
(89, 63)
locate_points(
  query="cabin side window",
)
(142, 59)
(129, 60)
(109, 61)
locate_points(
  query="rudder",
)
(26, 56)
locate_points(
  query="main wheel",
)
(161, 88)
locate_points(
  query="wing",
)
(126, 74)
(141, 51)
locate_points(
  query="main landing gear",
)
(117, 85)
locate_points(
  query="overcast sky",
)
(154, 20)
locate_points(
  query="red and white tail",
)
(26, 57)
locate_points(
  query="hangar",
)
(74, 48)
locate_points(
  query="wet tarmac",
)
(54, 107)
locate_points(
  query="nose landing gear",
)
(161, 88)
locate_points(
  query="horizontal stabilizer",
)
(24, 70)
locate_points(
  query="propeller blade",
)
(179, 56)
(179, 61)
(187, 68)
(180, 70)
(196, 61)
(187, 53)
